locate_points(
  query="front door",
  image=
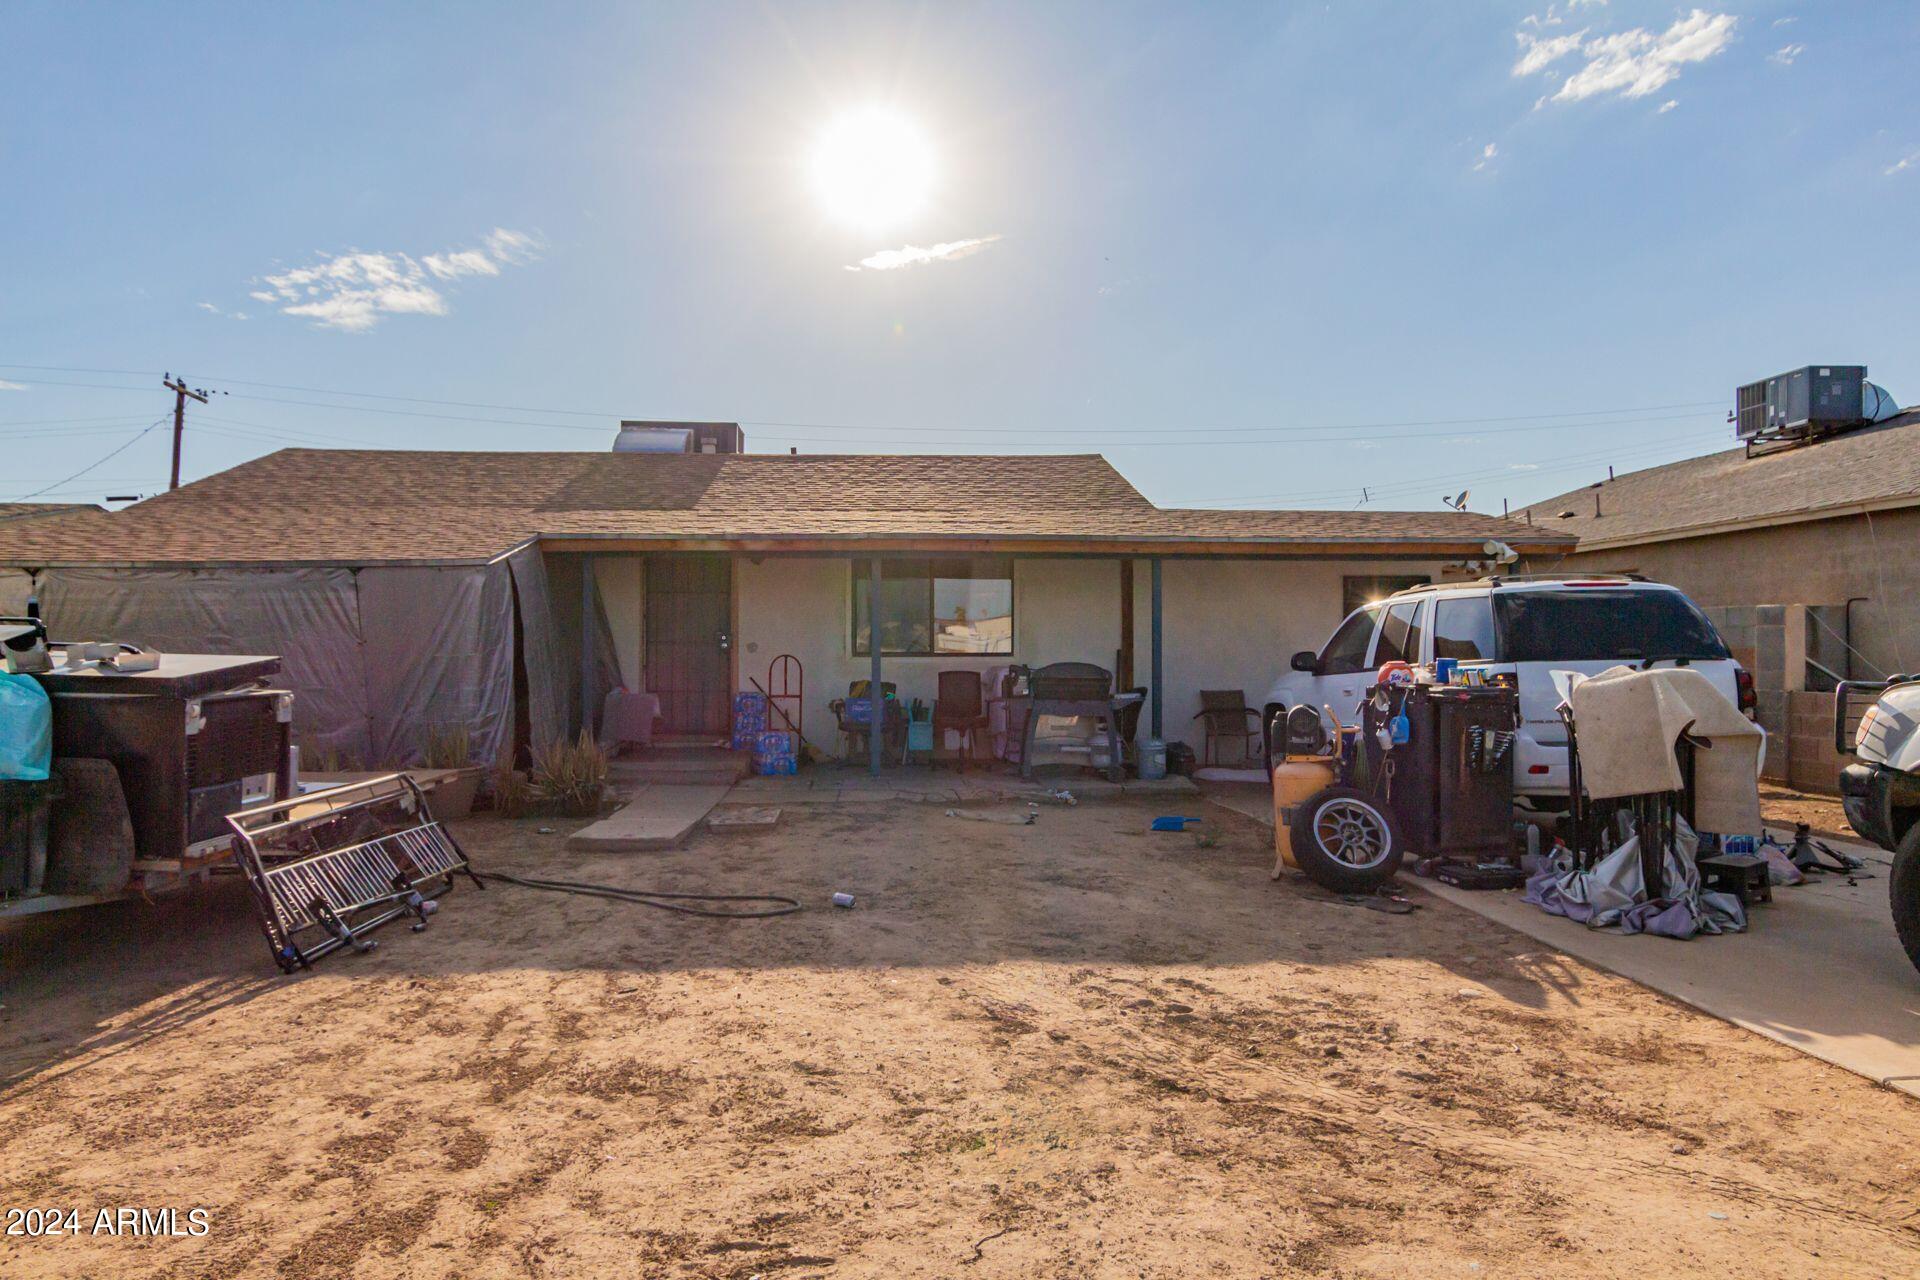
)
(689, 618)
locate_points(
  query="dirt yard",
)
(1782, 806)
(1073, 1049)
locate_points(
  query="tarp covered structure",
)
(377, 658)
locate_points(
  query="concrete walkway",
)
(654, 817)
(1819, 969)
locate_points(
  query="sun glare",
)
(871, 168)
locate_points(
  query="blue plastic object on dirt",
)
(1172, 824)
(26, 729)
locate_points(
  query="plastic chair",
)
(960, 708)
(855, 715)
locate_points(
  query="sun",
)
(871, 168)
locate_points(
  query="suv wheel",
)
(1903, 889)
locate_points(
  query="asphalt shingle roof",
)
(12, 511)
(1871, 466)
(362, 506)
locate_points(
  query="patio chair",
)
(1228, 718)
(855, 716)
(960, 708)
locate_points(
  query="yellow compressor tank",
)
(1294, 779)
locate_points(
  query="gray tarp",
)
(563, 577)
(540, 647)
(375, 658)
(310, 617)
(439, 654)
(15, 586)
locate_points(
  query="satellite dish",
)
(1459, 503)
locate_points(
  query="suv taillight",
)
(1743, 688)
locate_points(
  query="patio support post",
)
(1158, 730)
(876, 703)
(586, 644)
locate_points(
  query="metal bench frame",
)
(342, 894)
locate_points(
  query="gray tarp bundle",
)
(376, 657)
(1614, 892)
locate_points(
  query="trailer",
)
(150, 754)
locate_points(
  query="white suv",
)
(1522, 628)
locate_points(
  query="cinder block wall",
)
(1812, 763)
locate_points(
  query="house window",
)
(938, 606)
(1357, 591)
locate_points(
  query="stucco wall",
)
(1062, 609)
(1227, 624)
(1819, 562)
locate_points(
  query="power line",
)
(1401, 487)
(777, 425)
(111, 454)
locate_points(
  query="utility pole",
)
(180, 393)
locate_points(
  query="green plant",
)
(449, 747)
(328, 759)
(571, 776)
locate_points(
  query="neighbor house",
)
(1807, 557)
(507, 592)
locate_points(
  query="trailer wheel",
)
(1346, 840)
(1903, 889)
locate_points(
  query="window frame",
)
(857, 597)
(1415, 611)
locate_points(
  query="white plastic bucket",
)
(1153, 759)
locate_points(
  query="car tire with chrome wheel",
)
(1346, 840)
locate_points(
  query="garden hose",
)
(679, 902)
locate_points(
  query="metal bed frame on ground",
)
(328, 868)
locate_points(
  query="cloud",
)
(1537, 55)
(913, 255)
(466, 262)
(1667, 106)
(210, 309)
(11, 386)
(1908, 161)
(355, 291)
(1785, 54)
(1785, 22)
(1523, 466)
(1487, 156)
(1629, 64)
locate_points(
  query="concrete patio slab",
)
(926, 786)
(658, 817)
(743, 817)
(1819, 969)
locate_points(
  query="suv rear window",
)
(1584, 624)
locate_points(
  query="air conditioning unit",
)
(1803, 403)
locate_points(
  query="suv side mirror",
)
(1306, 660)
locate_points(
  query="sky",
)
(1264, 255)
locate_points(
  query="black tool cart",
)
(1450, 782)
